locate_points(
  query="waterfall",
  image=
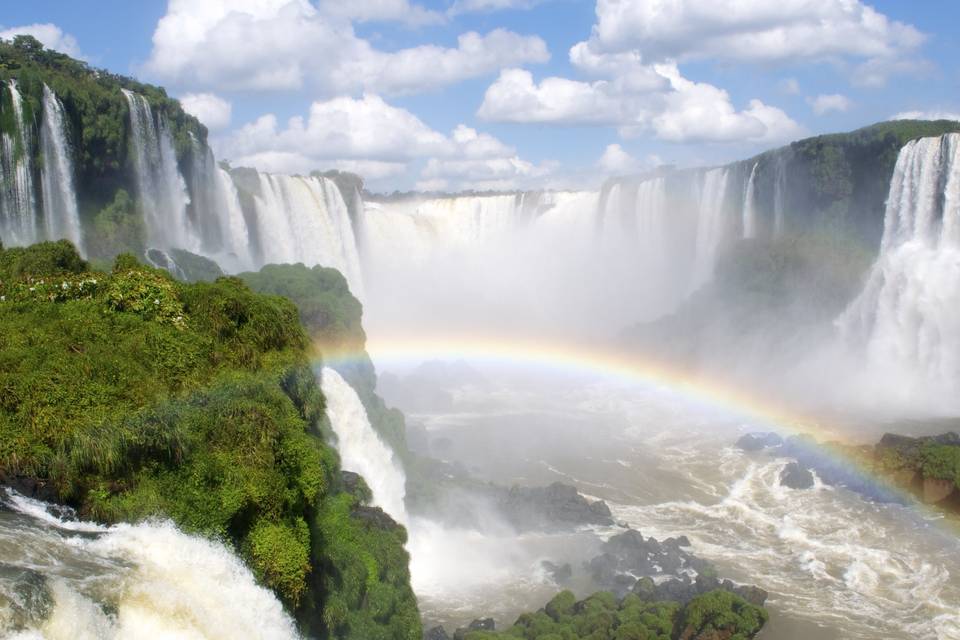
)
(162, 191)
(69, 579)
(18, 208)
(305, 219)
(779, 197)
(907, 318)
(710, 225)
(361, 449)
(60, 214)
(750, 206)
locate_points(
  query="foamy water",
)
(836, 565)
(64, 579)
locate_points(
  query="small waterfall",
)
(69, 579)
(305, 219)
(750, 206)
(60, 214)
(215, 212)
(650, 212)
(18, 206)
(780, 197)
(162, 190)
(907, 317)
(710, 225)
(361, 449)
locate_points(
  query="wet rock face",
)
(436, 633)
(759, 441)
(481, 624)
(629, 555)
(375, 517)
(795, 476)
(557, 505)
(685, 589)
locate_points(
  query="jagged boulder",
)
(759, 441)
(481, 624)
(436, 633)
(555, 506)
(796, 476)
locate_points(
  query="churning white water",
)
(837, 566)
(71, 580)
(60, 214)
(161, 190)
(361, 448)
(907, 317)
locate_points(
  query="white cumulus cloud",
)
(753, 30)
(932, 114)
(403, 11)
(208, 108)
(291, 44)
(825, 103)
(52, 37)
(369, 136)
(672, 107)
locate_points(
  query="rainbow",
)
(620, 364)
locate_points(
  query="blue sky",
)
(516, 93)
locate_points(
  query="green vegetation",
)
(842, 179)
(711, 616)
(941, 462)
(332, 315)
(196, 268)
(137, 396)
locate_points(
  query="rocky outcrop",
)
(795, 476)
(557, 505)
(481, 624)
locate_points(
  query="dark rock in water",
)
(759, 441)
(628, 555)
(557, 505)
(355, 485)
(559, 573)
(30, 487)
(753, 595)
(481, 624)
(795, 476)
(436, 633)
(835, 470)
(375, 517)
(683, 589)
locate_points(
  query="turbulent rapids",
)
(62, 578)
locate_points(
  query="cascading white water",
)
(439, 225)
(73, 580)
(750, 206)
(780, 197)
(304, 219)
(161, 189)
(710, 224)
(361, 448)
(908, 315)
(18, 207)
(60, 213)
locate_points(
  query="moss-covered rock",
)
(716, 615)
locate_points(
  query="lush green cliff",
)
(99, 131)
(130, 395)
